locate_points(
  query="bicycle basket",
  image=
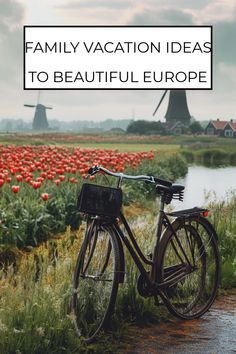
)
(99, 200)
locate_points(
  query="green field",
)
(134, 147)
(122, 142)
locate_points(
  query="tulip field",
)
(39, 187)
(38, 165)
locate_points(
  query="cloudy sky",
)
(99, 105)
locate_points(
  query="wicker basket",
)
(99, 200)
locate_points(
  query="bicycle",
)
(183, 269)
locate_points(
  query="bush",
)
(143, 127)
(188, 155)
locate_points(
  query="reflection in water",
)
(200, 180)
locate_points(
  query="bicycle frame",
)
(130, 242)
(184, 243)
(137, 254)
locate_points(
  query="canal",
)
(204, 184)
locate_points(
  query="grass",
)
(197, 146)
(132, 147)
(209, 151)
(116, 142)
(34, 302)
(35, 290)
(223, 217)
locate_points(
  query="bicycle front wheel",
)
(95, 282)
(189, 268)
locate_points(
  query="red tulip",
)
(44, 196)
(19, 178)
(36, 185)
(57, 182)
(50, 176)
(13, 171)
(15, 189)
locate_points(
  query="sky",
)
(99, 105)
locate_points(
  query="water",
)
(200, 181)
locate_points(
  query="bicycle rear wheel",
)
(189, 266)
(95, 282)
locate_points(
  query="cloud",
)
(117, 104)
(11, 18)
(224, 42)
(114, 4)
(167, 16)
(11, 14)
(213, 12)
(229, 71)
(224, 31)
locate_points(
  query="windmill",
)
(40, 121)
(177, 110)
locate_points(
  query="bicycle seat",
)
(168, 193)
(175, 188)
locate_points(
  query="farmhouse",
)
(221, 128)
(230, 130)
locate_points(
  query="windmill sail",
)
(162, 98)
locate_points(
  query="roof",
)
(177, 124)
(219, 124)
(232, 125)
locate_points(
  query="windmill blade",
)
(29, 105)
(162, 98)
(48, 107)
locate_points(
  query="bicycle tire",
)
(95, 283)
(195, 291)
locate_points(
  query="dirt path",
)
(213, 333)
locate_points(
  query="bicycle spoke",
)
(190, 288)
(181, 249)
(95, 283)
(191, 243)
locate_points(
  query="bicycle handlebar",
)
(148, 179)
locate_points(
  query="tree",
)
(143, 127)
(196, 128)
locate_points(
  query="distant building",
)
(230, 130)
(176, 128)
(221, 128)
